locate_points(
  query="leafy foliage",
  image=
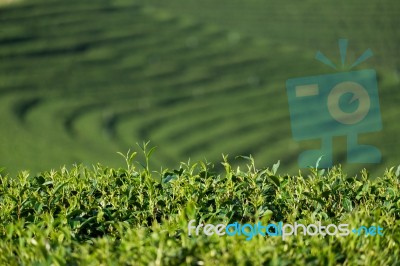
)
(135, 216)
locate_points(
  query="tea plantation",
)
(81, 80)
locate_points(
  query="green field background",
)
(82, 80)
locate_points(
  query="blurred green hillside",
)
(81, 80)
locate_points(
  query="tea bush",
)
(135, 216)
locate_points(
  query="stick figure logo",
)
(339, 104)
